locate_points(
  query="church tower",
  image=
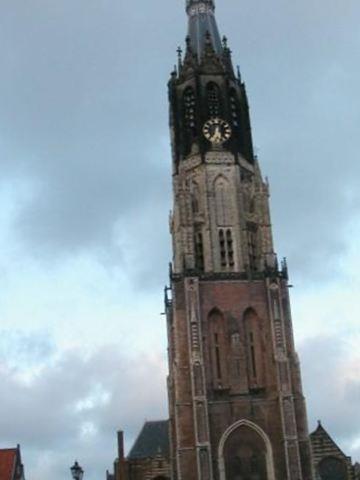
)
(237, 410)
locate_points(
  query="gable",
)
(152, 441)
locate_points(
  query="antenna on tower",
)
(238, 73)
(179, 54)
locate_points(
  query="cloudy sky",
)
(84, 200)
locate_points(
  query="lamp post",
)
(77, 472)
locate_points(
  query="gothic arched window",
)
(226, 248)
(199, 251)
(218, 348)
(332, 468)
(253, 349)
(245, 455)
(252, 245)
(213, 99)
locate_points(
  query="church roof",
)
(201, 22)
(324, 445)
(152, 441)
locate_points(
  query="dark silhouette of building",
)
(357, 471)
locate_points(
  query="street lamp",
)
(77, 472)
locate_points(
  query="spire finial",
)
(238, 73)
(191, 3)
(202, 19)
(179, 55)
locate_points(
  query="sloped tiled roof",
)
(7, 463)
(323, 445)
(152, 440)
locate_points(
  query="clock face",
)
(217, 131)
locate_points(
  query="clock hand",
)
(217, 134)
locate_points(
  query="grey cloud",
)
(298, 60)
(332, 396)
(84, 114)
(47, 416)
(76, 118)
(19, 348)
(134, 390)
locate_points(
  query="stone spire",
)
(202, 21)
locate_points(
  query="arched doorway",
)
(245, 453)
(332, 468)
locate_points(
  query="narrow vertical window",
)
(218, 348)
(213, 99)
(226, 249)
(189, 112)
(222, 248)
(195, 203)
(217, 355)
(252, 354)
(229, 247)
(254, 349)
(199, 251)
(252, 250)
